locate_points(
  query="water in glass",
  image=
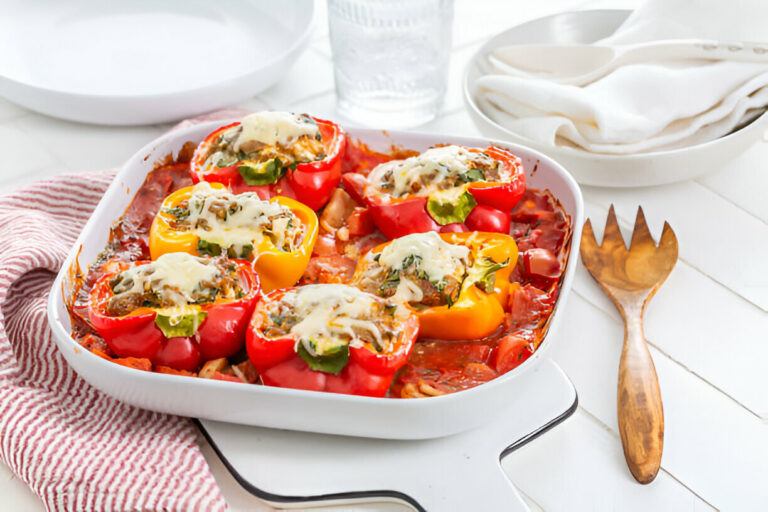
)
(390, 59)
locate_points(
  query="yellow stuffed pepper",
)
(457, 283)
(277, 236)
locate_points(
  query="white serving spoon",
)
(585, 63)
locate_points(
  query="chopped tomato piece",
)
(541, 262)
(224, 376)
(137, 363)
(173, 371)
(512, 351)
(527, 306)
(360, 222)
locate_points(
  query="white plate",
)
(637, 170)
(145, 61)
(290, 408)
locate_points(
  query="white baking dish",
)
(289, 408)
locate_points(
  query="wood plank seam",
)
(615, 435)
(682, 365)
(729, 200)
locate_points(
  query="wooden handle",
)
(641, 416)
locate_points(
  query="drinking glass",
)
(390, 59)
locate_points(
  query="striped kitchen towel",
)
(77, 448)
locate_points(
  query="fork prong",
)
(588, 240)
(641, 235)
(668, 238)
(612, 234)
(589, 249)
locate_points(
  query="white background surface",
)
(707, 326)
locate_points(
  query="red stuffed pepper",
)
(446, 189)
(274, 153)
(177, 311)
(330, 337)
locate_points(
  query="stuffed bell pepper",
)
(177, 311)
(274, 153)
(457, 283)
(277, 235)
(330, 337)
(446, 189)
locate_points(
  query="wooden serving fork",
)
(630, 278)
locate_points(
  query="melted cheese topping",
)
(436, 257)
(271, 128)
(246, 225)
(176, 275)
(330, 310)
(432, 167)
(408, 291)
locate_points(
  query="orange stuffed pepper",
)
(277, 236)
(457, 283)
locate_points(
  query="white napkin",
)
(650, 106)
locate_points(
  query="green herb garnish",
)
(448, 210)
(243, 253)
(264, 173)
(485, 273)
(390, 281)
(178, 212)
(332, 362)
(209, 248)
(178, 326)
(472, 175)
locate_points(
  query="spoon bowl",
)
(581, 64)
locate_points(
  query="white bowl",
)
(290, 408)
(638, 170)
(143, 62)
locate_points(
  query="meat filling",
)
(303, 149)
(136, 288)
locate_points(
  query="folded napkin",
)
(649, 106)
(77, 448)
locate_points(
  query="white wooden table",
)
(707, 326)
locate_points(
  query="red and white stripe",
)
(77, 448)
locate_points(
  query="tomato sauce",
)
(358, 157)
